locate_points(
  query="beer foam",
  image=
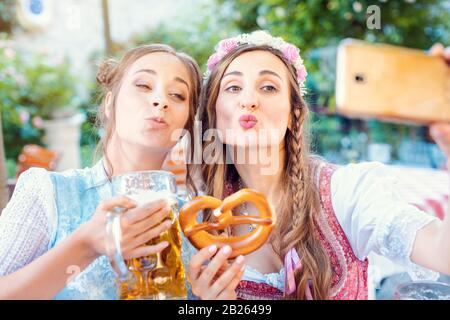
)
(147, 196)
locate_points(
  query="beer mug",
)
(422, 290)
(159, 276)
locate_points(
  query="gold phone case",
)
(391, 83)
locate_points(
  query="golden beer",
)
(159, 276)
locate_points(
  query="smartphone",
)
(391, 83)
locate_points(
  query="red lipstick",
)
(248, 121)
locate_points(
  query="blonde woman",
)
(52, 233)
(328, 218)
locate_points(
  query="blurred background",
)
(49, 50)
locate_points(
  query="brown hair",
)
(295, 227)
(109, 77)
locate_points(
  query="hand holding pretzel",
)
(199, 236)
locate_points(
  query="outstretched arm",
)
(431, 248)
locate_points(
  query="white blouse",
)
(375, 216)
(27, 222)
(370, 210)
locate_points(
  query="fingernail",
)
(226, 249)
(212, 248)
(242, 268)
(239, 259)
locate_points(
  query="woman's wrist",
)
(82, 236)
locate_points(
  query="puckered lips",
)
(248, 121)
(156, 123)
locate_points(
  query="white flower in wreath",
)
(260, 38)
(279, 44)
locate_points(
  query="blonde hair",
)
(295, 227)
(109, 77)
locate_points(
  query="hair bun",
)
(106, 71)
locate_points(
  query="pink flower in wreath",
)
(212, 61)
(290, 52)
(301, 73)
(226, 45)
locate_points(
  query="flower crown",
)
(261, 38)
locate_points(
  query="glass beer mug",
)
(422, 290)
(159, 276)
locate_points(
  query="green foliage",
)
(89, 131)
(10, 168)
(390, 133)
(51, 87)
(317, 23)
(32, 88)
(321, 139)
(17, 127)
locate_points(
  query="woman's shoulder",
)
(356, 168)
(359, 171)
(37, 181)
(80, 179)
(33, 195)
(46, 187)
(72, 174)
(364, 166)
(33, 178)
(343, 184)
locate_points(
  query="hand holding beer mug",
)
(154, 276)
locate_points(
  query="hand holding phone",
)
(391, 83)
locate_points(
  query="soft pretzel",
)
(198, 234)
